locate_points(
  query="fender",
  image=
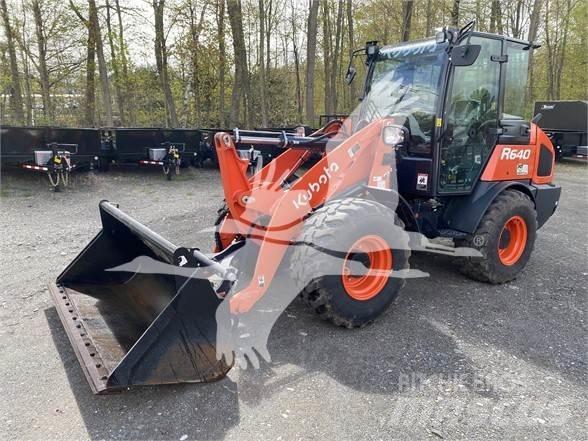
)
(464, 213)
(395, 201)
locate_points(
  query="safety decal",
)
(522, 169)
(422, 181)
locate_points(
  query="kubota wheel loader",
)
(438, 146)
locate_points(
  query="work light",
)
(394, 135)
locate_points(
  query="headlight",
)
(394, 135)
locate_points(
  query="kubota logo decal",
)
(511, 154)
(314, 187)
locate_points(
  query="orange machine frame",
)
(515, 162)
(261, 209)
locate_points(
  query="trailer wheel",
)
(505, 237)
(337, 240)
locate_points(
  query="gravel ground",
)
(452, 359)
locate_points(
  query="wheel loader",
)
(438, 148)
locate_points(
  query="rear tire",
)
(505, 237)
(340, 225)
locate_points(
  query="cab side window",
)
(471, 114)
(516, 81)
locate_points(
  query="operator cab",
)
(457, 95)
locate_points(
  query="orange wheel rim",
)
(512, 241)
(367, 267)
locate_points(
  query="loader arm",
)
(349, 164)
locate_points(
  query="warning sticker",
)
(522, 169)
(422, 181)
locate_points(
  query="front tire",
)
(342, 235)
(505, 238)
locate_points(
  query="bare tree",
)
(407, 7)
(241, 84)
(312, 28)
(429, 18)
(102, 68)
(262, 65)
(336, 56)
(557, 19)
(42, 63)
(351, 43)
(23, 43)
(127, 95)
(196, 24)
(90, 89)
(455, 13)
(296, 63)
(162, 64)
(268, 32)
(16, 94)
(496, 17)
(532, 37)
(220, 20)
(115, 67)
(327, 42)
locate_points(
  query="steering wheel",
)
(476, 128)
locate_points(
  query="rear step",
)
(136, 328)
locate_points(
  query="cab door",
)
(470, 118)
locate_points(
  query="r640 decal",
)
(510, 153)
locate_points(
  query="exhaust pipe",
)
(137, 328)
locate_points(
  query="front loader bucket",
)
(136, 328)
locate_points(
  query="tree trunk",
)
(115, 68)
(222, 58)
(27, 85)
(241, 85)
(42, 65)
(532, 36)
(90, 91)
(336, 56)
(162, 67)
(516, 17)
(102, 68)
(16, 92)
(351, 44)
(407, 8)
(268, 34)
(429, 23)
(550, 50)
(455, 13)
(195, 30)
(262, 63)
(25, 59)
(327, 41)
(312, 28)
(298, 83)
(90, 99)
(128, 96)
(560, 62)
(496, 18)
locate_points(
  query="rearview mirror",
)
(465, 55)
(350, 75)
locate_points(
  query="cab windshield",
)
(405, 84)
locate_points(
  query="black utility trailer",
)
(566, 124)
(169, 149)
(54, 151)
